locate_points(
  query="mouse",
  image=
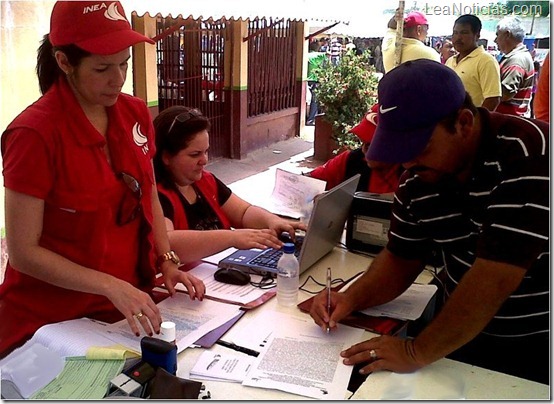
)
(231, 276)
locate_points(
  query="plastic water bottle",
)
(287, 277)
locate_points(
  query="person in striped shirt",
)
(335, 51)
(476, 186)
(517, 70)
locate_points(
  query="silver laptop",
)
(325, 229)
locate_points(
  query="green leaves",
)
(346, 92)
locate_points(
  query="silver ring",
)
(138, 315)
(373, 354)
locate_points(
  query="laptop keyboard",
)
(271, 257)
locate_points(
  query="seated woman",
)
(380, 178)
(200, 211)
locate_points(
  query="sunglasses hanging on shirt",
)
(130, 206)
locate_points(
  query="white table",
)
(344, 265)
(447, 380)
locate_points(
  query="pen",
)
(238, 348)
(328, 296)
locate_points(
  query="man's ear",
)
(466, 119)
(63, 62)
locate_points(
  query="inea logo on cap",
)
(111, 12)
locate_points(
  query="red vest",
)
(81, 193)
(207, 186)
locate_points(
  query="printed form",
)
(299, 358)
(192, 319)
(293, 194)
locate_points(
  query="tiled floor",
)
(253, 178)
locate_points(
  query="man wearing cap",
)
(380, 180)
(476, 186)
(413, 47)
(477, 68)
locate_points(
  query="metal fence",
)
(190, 61)
(271, 66)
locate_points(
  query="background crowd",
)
(504, 73)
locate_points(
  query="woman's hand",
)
(279, 225)
(137, 307)
(245, 239)
(172, 276)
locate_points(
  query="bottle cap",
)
(167, 331)
(288, 248)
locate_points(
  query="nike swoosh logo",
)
(385, 110)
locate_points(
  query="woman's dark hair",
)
(450, 121)
(178, 138)
(48, 70)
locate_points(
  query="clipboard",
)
(378, 325)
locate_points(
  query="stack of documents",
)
(288, 347)
(221, 367)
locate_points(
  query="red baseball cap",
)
(366, 128)
(415, 18)
(95, 26)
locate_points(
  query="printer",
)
(368, 222)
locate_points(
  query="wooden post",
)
(399, 33)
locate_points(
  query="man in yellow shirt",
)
(413, 47)
(478, 69)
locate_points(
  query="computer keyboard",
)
(271, 257)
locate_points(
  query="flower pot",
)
(324, 144)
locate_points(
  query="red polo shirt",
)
(52, 152)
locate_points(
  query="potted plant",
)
(345, 92)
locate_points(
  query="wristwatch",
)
(168, 256)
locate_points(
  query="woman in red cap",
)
(84, 224)
(378, 179)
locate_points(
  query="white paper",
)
(408, 306)
(32, 367)
(221, 366)
(300, 358)
(215, 258)
(73, 337)
(293, 194)
(241, 294)
(193, 319)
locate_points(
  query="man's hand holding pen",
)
(329, 308)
